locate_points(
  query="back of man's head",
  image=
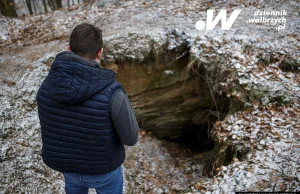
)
(86, 41)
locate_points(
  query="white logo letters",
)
(210, 23)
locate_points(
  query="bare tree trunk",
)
(59, 4)
(45, 6)
(28, 3)
(34, 7)
(51, 5)
(7, 8)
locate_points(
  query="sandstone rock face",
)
(166, 99)
(166, 96)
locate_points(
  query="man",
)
(85, 116)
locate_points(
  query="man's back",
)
(76, 104)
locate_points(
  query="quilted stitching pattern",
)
(74, 111)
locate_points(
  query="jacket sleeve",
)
(123, 118)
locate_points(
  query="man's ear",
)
(100, 54)
(68, 48)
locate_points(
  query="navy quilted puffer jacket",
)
(74, 112)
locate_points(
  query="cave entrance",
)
(177, 108)
(197, 138)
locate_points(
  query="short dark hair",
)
(86, 41)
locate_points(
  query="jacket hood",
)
(73, 79)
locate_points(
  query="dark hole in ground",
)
(197, 138)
